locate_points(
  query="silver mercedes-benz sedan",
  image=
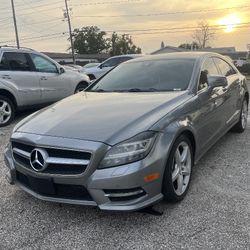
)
(132, 137)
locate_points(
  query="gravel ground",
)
(214, 215)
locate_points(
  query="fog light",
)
(152, 177)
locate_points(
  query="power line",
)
(38, 37)
(175, 28)
(168, 30)
(34, 7)
(165, 13)
(106, 3)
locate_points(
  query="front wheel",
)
(178, 171)
(242, 123)
(7, 111)
(80, 87)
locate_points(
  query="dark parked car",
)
(132, 137)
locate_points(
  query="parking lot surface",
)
(214, 215)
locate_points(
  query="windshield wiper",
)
(142, 90)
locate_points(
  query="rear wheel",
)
(178, 171)
(7, 111)
(242, 123)
(80, 87)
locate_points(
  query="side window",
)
(208, 69)
(43, 65)
(111, 62)
(124, 59)
(17, 61)
(4, 63)
(225, 68)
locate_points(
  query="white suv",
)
(29, 78)
(99, 70)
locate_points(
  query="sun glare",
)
(229, 22)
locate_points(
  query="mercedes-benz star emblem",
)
(38, 159)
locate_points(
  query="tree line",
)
(92, 40)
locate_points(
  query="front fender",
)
(180, 120)
(11, 88)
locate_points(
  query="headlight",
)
(130, 150)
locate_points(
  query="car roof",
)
(175, 55)
(15, 49)
(128, 55)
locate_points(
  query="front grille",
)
(58, 161)
(47, 187)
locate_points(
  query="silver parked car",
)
(29, 78)
(102, 68)
(132, 137)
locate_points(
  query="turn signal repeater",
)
(152, 177)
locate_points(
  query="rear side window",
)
(111, 62)
(4, 63)
(225, 68)
(17, 61)
(125, 58)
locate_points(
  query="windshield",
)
(151, 75)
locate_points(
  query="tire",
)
(91, 77)
(7, 111)
(81, 86)
(242, 123)
(172, 189)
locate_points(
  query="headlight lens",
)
(130, 150)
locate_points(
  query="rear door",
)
(53, 85)
(231, 91)
(19, 71)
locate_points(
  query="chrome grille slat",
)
(56, 160)
(22, 153)
(72, 162)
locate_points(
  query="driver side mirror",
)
(217, 81)
(100, 66)
(61, 70)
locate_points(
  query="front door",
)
(53, 85)
(212, 109)
(232, 91)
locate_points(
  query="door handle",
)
(44, 78)
(6, 76)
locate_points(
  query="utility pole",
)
(70, 31)
(14, 19)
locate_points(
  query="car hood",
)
(104, 117)
(77, 76)
(91, 70)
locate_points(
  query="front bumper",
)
(102, 185)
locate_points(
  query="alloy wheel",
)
(5, 112)
(244, 114)
(181, 168)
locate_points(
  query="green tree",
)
(90, 40)
(122, 44)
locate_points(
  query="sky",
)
(149, 22)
